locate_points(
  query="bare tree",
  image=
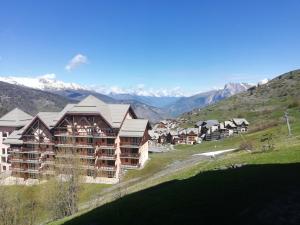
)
(63, 190)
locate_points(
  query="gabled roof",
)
(229, 124)
(134, 128)
(210, 123)
(194, 130)
(118, 113)
(113, 114)
(14, 137)
(199, 123)
(15, 118)
(240, 121)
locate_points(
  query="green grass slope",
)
(264, 190)
(262, 106)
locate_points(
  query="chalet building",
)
(105, 138)
(227, 128)
(162, 124)
(241, 124)
(211, 130)
(10, 122)
(188, 136)
(173, 137)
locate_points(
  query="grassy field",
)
(245, 187)
(210, 194)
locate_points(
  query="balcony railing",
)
(39, 142)
(26, 170)
(129, 155)
(100, 134)
(108, 168)
(107, 156)
(129, 145)
(106, 146)
(75, 145)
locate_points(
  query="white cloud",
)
(76, 61)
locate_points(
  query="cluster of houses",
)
(168, 132)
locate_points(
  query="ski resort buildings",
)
(104, 139)
(209, 130)
(10, 122)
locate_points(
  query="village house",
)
(105, 137)
(241, 124)
(12, 121)
(227, 128)
(188, 136)
(210, 130)
(173, 137)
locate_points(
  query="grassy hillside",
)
(28, 99)
(263, 106)
(244, 187)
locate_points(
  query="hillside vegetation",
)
(263, 106)
(244, 187)
(29, 100)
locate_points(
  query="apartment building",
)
(13, 120)
(104, 138)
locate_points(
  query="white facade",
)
(4, 165)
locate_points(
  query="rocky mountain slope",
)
(30, 100)
(262, 105)
(186, 104)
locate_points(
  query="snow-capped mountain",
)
(172, 102)
(46, 82)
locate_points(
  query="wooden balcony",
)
(104, 156)
(106, 146)
(108, 167)
(74, 145)
(129, 145)
(130, 155)
(104, 133)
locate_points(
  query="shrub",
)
(293, 104)
(247, 145)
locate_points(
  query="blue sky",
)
(194, 45)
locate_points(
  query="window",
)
(110, 174)
(4, 168)
(3, 151)
(90, 151)
(4, 134)
(33, 176)
(91, 173)
(110, 141)
(3, 159)
(31, 156)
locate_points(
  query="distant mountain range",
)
(263, 105)
(154, 108)
(186, 104)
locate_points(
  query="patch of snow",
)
(264, 81)
(214, 153)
